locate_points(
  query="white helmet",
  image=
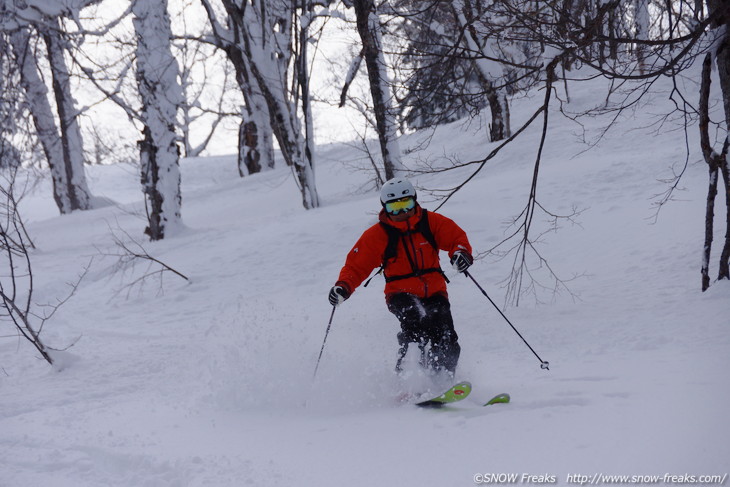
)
(395, 189)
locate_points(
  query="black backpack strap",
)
(425, 228)
(417, 273)
(391, 249)
(394, 236)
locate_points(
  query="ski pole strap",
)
(543, 364)
(382, 268)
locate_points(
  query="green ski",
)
(498, 399)
(455, 393)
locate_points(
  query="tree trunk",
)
(36, 95)
(613, 33)
(249, 157)
(563, 19)
(287, 129)
(255, 136)
(721, 8)
(724, 272)
(71, 140)
(709, 227)
(641, 18)
(161, 95)
(369, 28)
(302, 67)
(499, 128)
(487, 70)
(712, 159)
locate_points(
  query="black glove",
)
(338, 294)
(461, 260)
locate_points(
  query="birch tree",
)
(371, 34)
(160, 94)
(41, 112)
(258, 41)
(72, 144)
(62, 146)
(641, 19)
(255, 134)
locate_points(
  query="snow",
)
(209, 382)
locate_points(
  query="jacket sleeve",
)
(449, 236)
(366, 255)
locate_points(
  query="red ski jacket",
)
(414, 254)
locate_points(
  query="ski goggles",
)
(400, 205)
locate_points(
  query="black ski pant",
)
(426, 321)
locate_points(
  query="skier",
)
(405, 244)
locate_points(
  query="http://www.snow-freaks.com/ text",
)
(600, 479)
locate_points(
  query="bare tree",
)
(195, 84)
(371, 34)
(128, 254)
(714, 162)
(719, 12)
(71, 140)
(16, 277)
(477, 27)
(15, 306)
(62, 144)
(438, 85)
(210, 96)
(258, 41)
(63, 148)
(593, 40)
(255, 134)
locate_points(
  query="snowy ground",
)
(210, 382)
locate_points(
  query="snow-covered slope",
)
(209, 382)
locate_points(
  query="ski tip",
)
(456, 393)
(466, 385)
(498, 399)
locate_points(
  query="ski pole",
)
(326, 333)
(543, 364)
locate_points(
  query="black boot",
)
(402, 351)
(405, 339)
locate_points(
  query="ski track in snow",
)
(210, 382)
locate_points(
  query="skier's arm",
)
(449, 236)
(366, 255)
